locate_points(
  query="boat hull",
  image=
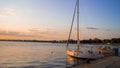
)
(83, 55)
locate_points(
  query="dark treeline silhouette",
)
(89, 41)
(26, 40)
(92, 41)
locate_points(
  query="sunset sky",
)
(51, 19)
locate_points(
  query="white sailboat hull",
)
(84, 53)
(81, 55)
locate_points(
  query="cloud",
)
(8, 33)
(107, 29)
(44, 31)
(38, 31)
(33, 33)
(7, 12)
(28, 35)
(20, 34)
(92, 28)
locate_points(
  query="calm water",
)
(34, 55)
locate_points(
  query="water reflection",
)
(31, 54)
(74, 61)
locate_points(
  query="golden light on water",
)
(70, 59)
(25, 54)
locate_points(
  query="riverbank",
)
(107, 62)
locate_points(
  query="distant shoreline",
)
(25, 40)
(113, 41)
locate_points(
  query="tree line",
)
(92, 41)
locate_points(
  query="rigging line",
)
(71, 25)
(78, 42)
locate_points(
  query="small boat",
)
(80, 51)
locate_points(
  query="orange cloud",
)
(34, 33)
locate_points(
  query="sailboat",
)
(80, 51)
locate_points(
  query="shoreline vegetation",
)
(114, 41)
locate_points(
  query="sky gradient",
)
(51, 19)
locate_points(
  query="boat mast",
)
(78, 42)
(76, 10)
(71, 25)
